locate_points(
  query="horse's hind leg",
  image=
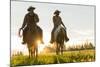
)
(36, 52)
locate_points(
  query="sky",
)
(78, 19)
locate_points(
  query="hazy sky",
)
(78, 19)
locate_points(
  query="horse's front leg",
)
(57, 49)
(33, 52)
(29, 53)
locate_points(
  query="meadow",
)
(69, 56)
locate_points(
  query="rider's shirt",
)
(57, 21)
(30, 20)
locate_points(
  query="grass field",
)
(52, 58)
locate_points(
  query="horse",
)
(32, 37)
(59, 39)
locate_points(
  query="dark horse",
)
(32, 37)
(59, 40)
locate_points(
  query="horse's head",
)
(61, 32)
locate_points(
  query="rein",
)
(20, 32)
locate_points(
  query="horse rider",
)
(57, 21)
(30, 23)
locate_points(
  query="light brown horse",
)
(32, 38)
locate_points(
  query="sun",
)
(40, 46)
(46, 39)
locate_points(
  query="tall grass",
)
(78, 53)
(52, 58)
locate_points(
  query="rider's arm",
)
(63, 23)
(36, 18)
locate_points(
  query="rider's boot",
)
(66, 38)
(23, 42)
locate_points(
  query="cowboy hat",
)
(56, 12)
(30, 8)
